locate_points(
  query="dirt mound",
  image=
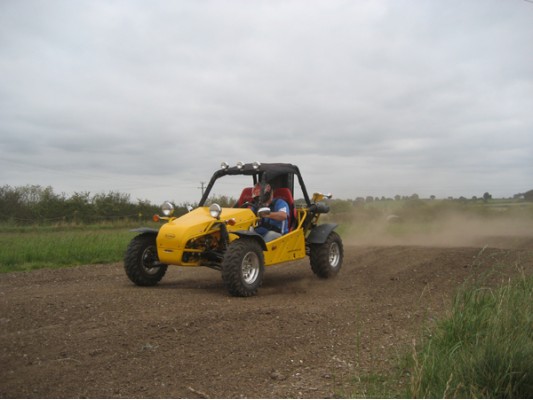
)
(88, 332)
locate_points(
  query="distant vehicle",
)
(223, 238)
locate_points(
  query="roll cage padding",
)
(320, 233)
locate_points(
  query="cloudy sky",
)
(367, 97)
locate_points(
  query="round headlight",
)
(167, 209)
(240, 165)
(215, 210)
(224, 165)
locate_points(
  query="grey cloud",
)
(386, 90)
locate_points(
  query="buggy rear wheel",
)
(326, 258)
(243, 267)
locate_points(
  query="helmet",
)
(267, 193)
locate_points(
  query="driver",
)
(274, 221)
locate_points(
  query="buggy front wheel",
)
(141, 261)
(243, 267)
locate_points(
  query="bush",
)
(33, 204)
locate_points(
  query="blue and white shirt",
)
(269, 224)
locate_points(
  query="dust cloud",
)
(455, 230)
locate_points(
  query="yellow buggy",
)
(224, 238)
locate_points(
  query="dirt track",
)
(88, 332)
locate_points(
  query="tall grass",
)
(53, 247)
(484, 349)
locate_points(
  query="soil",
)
(89, 332)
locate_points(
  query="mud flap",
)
(253, 235)
(145, 230)
(320, 233)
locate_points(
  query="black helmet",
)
(267, 193)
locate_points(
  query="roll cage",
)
(278, 175)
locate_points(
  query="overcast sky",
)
(379, 97)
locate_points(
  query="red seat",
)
(246, 196)
(285, 194)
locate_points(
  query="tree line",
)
(37, 204)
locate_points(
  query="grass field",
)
(484, 349)
(61, 246)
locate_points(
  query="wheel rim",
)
(148, 258)
(250, 268)
(334, 255)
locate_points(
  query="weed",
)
(483, 349)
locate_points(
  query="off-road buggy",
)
(223, 238)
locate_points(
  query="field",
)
(55, 247)
(86, 331)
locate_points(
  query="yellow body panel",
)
(289, 247)
(174, 235)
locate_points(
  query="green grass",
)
(484, 349)
(54, 247)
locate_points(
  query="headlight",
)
(224, 165)
(167, 209)
(215, 210)
(240, 165)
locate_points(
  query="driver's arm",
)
(278, 215)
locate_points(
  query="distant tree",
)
(11, 204)
(79, 206)
(113, 204)
(223, 201)
(397, 197)
(487, 196)
(528, 196)
(369, 199)
(50, 205)
(432, 197)
(38, 204)
(340, 206)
